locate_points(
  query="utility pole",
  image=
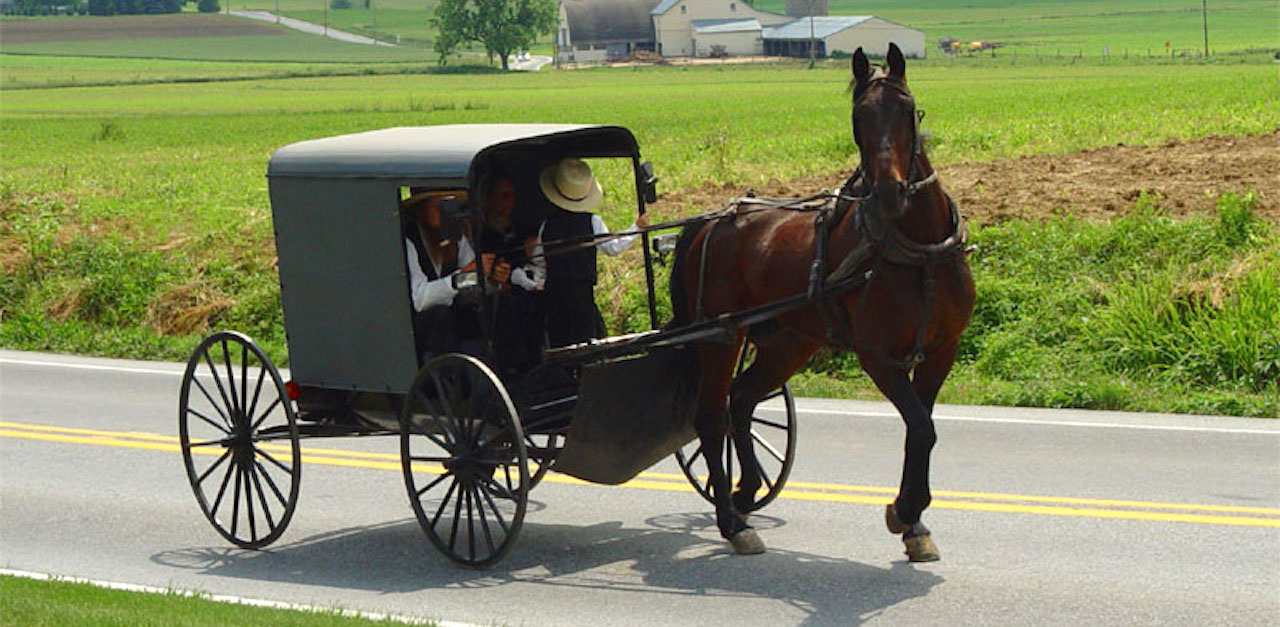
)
(1204, 13)
(811, 37)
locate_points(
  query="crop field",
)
(187, 37)
(135, 216)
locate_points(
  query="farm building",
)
(598, 30)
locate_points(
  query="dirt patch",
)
(1188, 174)
(130, 27)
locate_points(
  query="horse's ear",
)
(861, 67)
(897, 64)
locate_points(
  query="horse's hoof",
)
(747, 542)
(891, 520)
(921, 549)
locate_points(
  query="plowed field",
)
(1188, 174)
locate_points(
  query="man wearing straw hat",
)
(570, 306)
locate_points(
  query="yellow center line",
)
(795, 490)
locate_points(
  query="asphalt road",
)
(1043, 517)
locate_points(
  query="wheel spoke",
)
(764, 476)
(262, 499)
(774, 394)
(266, 412)
(207, 443)
(450, 437)
(244, 377)
(762, 443)
(270, 482)
(498, 489)
(433, 484)
(248, 507)
(208, 471)
(231, 378)
(444, 501)
(438, 460)
(484, 522)
(257, 389)
(217, 380)
(209, 421)
(446, 406)
(235, 502)
(226, 420)
(471, 526)
(273, 460)
(692, 458)
(222, 490)
(768, 423)
(497, 514)
(457, 517)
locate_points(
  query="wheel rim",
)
(774, 443)
(464, 460)
(239, 437)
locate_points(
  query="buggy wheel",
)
(465, 465)
(239, 436)
(774, 443)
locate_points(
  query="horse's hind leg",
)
(779, 354)
(717, 362)
(903, 516)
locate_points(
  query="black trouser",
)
(571, 313)
(517, 330)
(444, 328)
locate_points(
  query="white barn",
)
(599, 30)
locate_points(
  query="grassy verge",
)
(1144, 313)
(36, 603)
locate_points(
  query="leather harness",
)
(882, 241)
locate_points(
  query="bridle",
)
(862, 173)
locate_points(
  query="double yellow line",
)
(795, 490)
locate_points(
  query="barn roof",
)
(602, 21)
(823, 26)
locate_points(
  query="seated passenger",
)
(570, 307)
(442, 323)
(517, 328)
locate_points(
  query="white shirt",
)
(425, 292)
(612, 247)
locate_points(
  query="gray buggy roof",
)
(439, 152)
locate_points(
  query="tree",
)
(502, 26)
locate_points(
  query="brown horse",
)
(904, 323)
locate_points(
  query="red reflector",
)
(293, 390)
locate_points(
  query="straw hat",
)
(418, 197)
(569, 184)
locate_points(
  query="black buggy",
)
(472, 444)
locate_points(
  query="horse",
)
(892, 222)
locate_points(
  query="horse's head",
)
(885, 127)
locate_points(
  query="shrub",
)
(339, 4)
(208, 6)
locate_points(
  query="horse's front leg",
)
(903, 515)
(712, 425)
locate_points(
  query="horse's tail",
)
(681, 315)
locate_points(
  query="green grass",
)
(291, 46)
(136, 217)
(34, 603)
(1069, 27)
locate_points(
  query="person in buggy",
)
(569, 303)
(442, 322)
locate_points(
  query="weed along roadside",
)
(135, 217)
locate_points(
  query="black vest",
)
(569, 266)
(414, 234)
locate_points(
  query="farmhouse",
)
(599, 30)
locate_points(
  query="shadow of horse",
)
(674, 554)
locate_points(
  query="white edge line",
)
(1023, 421)
(802, 410)
(234, 600)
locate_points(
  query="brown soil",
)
(1188, 175)
(130, 27)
